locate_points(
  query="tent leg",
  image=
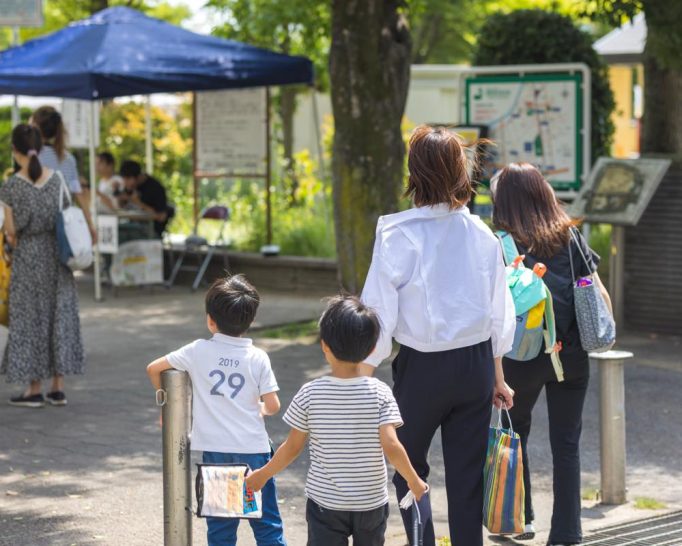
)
(93, 194)
(148, 149)
(16, 114)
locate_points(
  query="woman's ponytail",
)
(35, 169)
(26, 140)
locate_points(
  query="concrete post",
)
(175, 397)
(612, 424)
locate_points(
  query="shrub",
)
(537, 36)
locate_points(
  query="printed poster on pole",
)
(75, 114)
(531, 118)
(231, 133)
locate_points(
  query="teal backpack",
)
(533, 305)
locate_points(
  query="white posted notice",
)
(231, 132)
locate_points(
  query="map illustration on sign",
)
(534, 119)
(619, 190)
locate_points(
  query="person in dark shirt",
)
(525, 206)
(145, 192)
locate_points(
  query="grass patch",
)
(590, 494)
(444, 541)
(290, 331)
(647, 503)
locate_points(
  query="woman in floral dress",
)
(44, 328)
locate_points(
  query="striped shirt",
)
(342, 418)
(67, 166)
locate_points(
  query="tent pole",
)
(322, 169)
(93, 194)
(16, 115)
(149, 152)
(268, 172)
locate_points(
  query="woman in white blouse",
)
(437, 282)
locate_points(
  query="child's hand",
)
(418, 488)
(256, 480)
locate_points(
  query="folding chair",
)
(200, 246)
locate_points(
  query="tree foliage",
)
(294, 27)
(536, 36)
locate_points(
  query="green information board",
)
(533, 118)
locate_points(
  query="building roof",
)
(624, 45)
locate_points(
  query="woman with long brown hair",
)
(55, 156)
(437, 283)
(526, 207)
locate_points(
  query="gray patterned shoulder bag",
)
(595, 323)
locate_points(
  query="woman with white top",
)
(437, 282)
(55, 156)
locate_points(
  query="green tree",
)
(295, 27)
(536, 36)
(662, 117)
(369, 70)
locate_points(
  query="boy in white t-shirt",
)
(233, 387)
(350, 422)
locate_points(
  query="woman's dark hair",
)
(26, 140)
(52, 129)
(525, 205)
(349, 328)
(438, 168)
(232, 303)
(107, 158)
(130, 169)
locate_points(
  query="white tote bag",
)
(73, 233)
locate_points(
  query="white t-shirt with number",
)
(229, 375)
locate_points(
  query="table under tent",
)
(121, 52)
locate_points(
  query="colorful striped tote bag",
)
(503, 500)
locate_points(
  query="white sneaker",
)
(528, 533)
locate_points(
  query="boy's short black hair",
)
(130, 169)
(349, 328)
(107, 158)
(232, 303)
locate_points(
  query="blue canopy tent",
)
(120, 52)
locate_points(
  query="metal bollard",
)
(175, 397)
(612, 424)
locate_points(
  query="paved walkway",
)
(90, 473)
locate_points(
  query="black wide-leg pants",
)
(452, 390)
(565, 401)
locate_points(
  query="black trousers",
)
(451, 390)
(565, 402)
(333, 527)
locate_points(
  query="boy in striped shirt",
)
(350, 420)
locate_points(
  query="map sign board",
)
(618, 191)
(231, 132)
(21, 13)
(532, 118)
